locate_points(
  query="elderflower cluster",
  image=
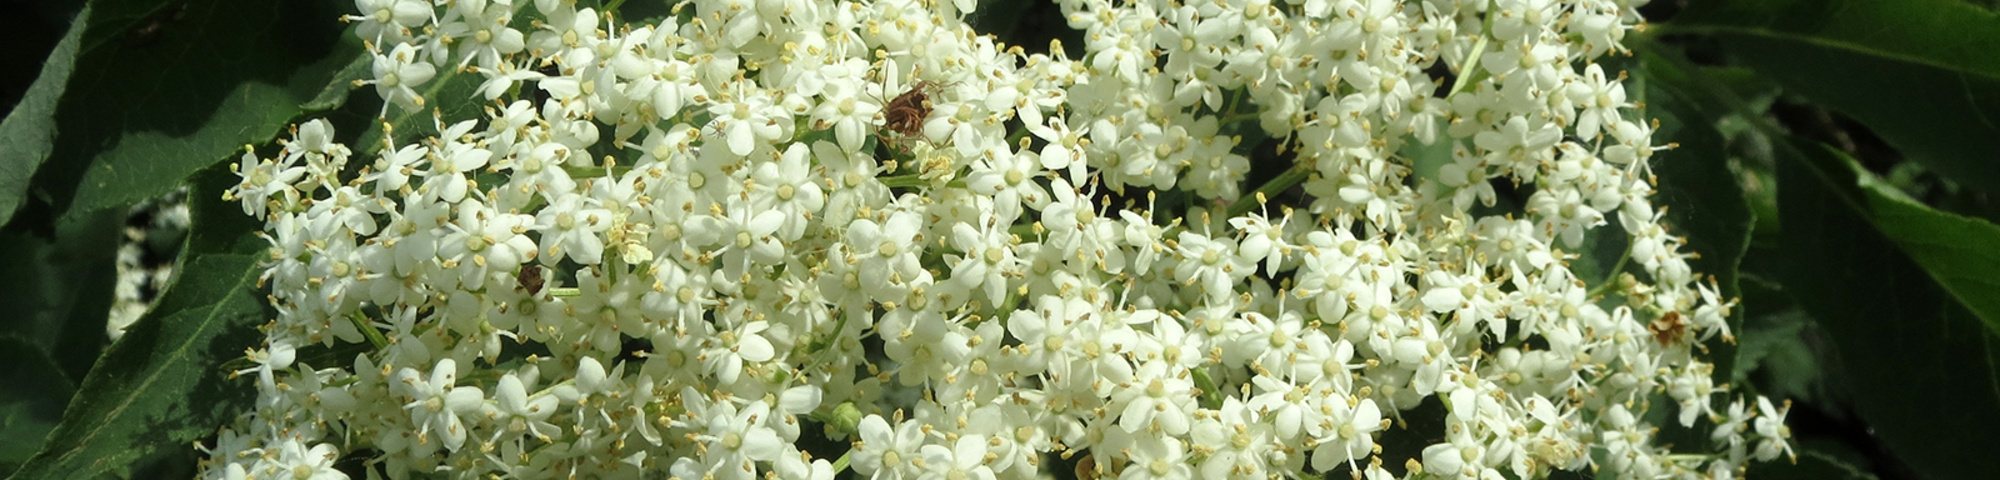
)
(691, 247)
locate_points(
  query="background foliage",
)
(1835, 168)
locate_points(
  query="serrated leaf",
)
(158, 387)
(164, 89)
(1922, 362)
(28, 133)
(1920, 73)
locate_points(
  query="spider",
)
(905, 114)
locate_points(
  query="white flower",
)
(398, 73)
(1771, 431)
(964, 459)
(1348, 432)
(570, 229)
(518, 413)
(883, 453)
(737, 438)
(436, 403)
(301, 463)
(1157, 399)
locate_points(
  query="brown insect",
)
(906, 113)
(529, 280)
(1668, 328)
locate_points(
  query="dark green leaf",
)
(159, 387)
(335, 93)
(163, 89)
(1920, 73)
(31, 404)
(1779, 357)
(28, 133)
(59, 291)
(1961, 253)
(1921, 362)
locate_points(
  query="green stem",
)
(908, 180)
(374, 336)
(840, 464)
(1298, 173)
(1612, 275)
(1233, 119)
(595, 171)
(1472, 73)
(1211, 395)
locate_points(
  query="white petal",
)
(754, 348)
(465, 399)
(741, 139)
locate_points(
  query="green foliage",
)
(163, 89)
(1910, 348)
(28, 133)
(141, 94)
(160, 387)
(1961, 254)
(1920, 73)
(32, 403)
(62, 288)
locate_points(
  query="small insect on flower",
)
(529, 280)
(1668, 328)
(905, 114)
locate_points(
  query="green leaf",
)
(1922, 364)
(164, 89)
(1962, 254)
(28, 133)
(159, 387)
(1780, 358)
(31, 404)
(335, 93)
(1919, 73)
(59, 290)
